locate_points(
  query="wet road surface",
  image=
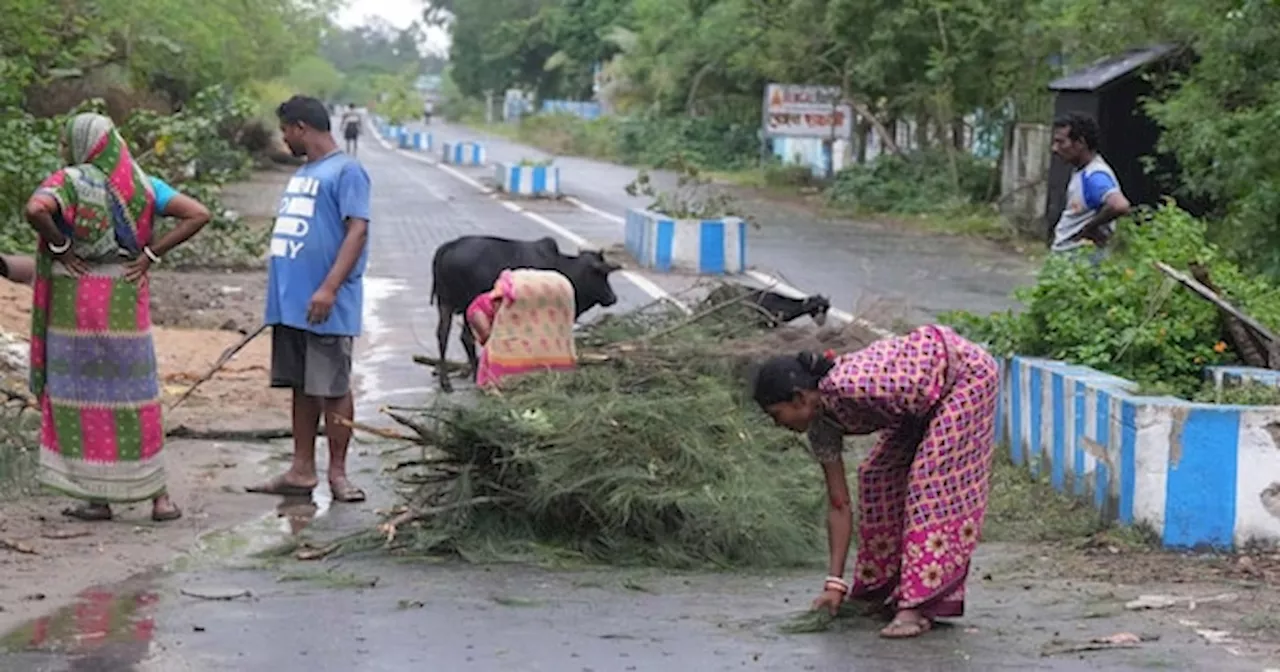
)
(379, 615)
(382, 615)
(858, 264)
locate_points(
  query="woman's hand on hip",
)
(75, 265)
(830, 600)
(137, 269)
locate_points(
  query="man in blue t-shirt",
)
(315, 295)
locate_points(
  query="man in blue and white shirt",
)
(1094, 198)
(315, 295)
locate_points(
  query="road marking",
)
(640, 282)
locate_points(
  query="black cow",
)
(467, 267)
(781, 309)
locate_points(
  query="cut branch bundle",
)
(651, 453)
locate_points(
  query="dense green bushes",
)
(1126, 317)
(197, 150)
(917, 183)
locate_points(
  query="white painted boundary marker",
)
(642, 283)
(771, 282)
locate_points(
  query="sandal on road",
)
(346, 493)
(906, 628)
(89, 512)
(281, 487)
(166, 515)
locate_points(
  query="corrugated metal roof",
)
(1107, 70)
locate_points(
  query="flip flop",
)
(89, 512)
(166, 516)
(277, 486)
(900, 629)
(348, 494)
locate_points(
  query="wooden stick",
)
(694, 318)
(1216, 300)
(436, 361)
(222, 361)
(384, 433)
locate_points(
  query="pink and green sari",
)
(93, 363)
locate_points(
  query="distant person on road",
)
(315, 296)
(922, 491)
(93, 362)
(1094, 199)
(428, 109)
(351, 129)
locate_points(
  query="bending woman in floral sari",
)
(93, 363)
(525, 324)
(922, 491)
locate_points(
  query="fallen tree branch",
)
(648, 338)
(212, 434)
(222, 361)
(377, 431)
(389, 528)
(436, 361)
(1212, 296)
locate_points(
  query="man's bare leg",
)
(339, 435)
(301, 478)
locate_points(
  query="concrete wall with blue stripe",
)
(414, 140)
(705, 246)
(462, 153)
(1201, 475)
(541, 181)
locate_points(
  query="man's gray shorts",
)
(315, 364)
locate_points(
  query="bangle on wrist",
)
(835, 583)
(155, 258)
(59, 249)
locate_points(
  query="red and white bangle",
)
(835, 583)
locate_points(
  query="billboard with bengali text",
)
(797, 110)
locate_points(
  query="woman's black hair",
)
(780, 378)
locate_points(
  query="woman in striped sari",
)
(922, 491)
(93, 363)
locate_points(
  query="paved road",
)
(515, 618)
(857, 263)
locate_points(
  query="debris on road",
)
(1120, 640)
(215, 593)
(649, 451)
(1165, 601)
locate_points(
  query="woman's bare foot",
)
(906, 624)
(164, 510)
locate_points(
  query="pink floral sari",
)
(922, 492)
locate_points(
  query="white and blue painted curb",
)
(467, 153)
(415, 140)
(706, 246)
(536, 181)
(1200, 475)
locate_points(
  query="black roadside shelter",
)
(1111, 91)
